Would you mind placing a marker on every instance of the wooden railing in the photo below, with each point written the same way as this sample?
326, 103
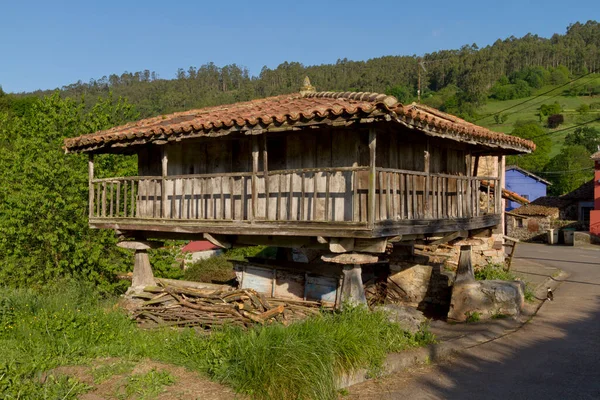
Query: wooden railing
403, 194
317, 194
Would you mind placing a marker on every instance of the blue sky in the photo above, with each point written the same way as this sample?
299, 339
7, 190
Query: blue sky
48, 44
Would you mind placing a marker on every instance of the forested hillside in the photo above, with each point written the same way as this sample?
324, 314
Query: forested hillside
466, 74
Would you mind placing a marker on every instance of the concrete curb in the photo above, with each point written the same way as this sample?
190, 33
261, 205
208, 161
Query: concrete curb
397, 362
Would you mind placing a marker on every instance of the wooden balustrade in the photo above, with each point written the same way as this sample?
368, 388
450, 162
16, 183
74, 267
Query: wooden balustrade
309, 194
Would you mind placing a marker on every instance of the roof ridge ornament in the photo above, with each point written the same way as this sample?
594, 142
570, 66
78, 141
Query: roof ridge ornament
307, 87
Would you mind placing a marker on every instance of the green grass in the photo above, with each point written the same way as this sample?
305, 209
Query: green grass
529, 111
472, 316
146, 386
494, 271
70, 324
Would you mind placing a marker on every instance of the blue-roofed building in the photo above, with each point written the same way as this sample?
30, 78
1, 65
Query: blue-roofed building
524, 183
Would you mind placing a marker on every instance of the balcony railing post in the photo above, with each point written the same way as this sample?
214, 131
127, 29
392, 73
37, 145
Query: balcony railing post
163, 183
254, 173
91, 184
372, 176
427, 203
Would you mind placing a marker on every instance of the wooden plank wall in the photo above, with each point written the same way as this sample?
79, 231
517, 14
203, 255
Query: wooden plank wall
229, 197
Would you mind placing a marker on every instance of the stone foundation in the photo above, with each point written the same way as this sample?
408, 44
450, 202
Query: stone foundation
486, 298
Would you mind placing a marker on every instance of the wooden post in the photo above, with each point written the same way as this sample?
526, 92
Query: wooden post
91, 184
163, 183
464, 272
500, 186
427, 203
469, 186
372, 176
266, 174
254, 173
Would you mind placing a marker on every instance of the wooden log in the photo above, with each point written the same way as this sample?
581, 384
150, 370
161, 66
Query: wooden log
272, 312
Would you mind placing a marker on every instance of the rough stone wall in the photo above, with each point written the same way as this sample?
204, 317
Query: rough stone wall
535, 228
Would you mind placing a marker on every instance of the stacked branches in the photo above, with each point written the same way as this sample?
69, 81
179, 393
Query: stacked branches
169, 305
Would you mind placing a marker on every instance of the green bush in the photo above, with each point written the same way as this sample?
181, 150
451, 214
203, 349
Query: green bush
494, 272
213, 270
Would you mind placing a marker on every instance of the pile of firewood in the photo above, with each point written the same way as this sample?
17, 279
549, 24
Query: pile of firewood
178, 306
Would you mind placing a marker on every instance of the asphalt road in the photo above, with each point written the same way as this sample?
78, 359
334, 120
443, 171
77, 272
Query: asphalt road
555, 356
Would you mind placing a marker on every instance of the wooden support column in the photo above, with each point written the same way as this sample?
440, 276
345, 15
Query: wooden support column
266, 174
91, 184
469, 186
163, 184
427, 202
464, 272
372, 176
499, 186
255, 151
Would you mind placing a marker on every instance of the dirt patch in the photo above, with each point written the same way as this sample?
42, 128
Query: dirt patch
109, 377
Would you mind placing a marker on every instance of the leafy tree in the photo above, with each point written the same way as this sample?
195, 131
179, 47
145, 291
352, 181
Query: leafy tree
583, 109
537, 160
555, 120
500, 118
43, 192
572, 167
550, 109
586, 136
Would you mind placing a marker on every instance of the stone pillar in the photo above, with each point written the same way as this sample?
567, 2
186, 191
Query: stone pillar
353, 291
464, 272
142, 270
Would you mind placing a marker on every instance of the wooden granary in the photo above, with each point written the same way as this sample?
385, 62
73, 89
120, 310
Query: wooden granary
343, 172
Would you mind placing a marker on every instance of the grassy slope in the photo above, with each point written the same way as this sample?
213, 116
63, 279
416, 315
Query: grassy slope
528, 111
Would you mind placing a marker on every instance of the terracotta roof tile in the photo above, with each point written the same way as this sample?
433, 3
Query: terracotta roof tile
294, 109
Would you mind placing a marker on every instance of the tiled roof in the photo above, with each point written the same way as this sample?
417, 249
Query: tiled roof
584, 192
198, 245
549, 206
287, 112
533, 209
595, 156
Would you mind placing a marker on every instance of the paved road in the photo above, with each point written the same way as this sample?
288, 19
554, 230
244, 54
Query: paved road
555, 356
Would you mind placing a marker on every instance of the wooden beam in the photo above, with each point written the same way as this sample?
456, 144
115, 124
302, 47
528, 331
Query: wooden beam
450, 237
499, 185
254, 173
341, 245
90, 184
266, 174
350, 258
372, 176
217, 240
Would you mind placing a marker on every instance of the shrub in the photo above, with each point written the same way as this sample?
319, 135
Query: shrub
555, 120
472, 316
213, 270
494, 272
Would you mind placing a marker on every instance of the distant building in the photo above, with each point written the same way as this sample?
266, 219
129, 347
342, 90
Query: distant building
531, 222
595, 213
199, 250
526, 184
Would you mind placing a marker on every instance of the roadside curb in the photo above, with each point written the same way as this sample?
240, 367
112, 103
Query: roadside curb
433, 353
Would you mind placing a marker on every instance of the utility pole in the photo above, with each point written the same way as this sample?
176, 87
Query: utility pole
422, 65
